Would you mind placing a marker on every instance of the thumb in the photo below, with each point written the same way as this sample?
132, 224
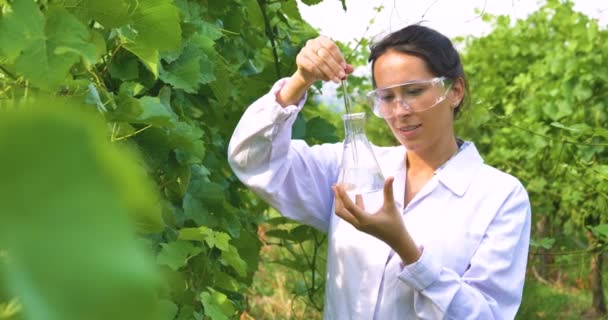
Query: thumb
389, 198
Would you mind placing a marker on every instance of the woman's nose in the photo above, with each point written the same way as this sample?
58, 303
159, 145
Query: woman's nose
401, 108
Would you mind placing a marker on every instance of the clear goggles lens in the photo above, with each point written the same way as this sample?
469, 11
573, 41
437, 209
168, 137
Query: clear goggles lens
415, 96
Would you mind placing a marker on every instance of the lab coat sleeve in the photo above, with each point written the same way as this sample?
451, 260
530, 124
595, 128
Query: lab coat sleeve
492, 286
291, 176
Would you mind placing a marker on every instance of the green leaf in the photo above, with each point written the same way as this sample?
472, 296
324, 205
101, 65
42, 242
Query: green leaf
232, 258
302, 233
216, 305
155, 113
220, 241
185, 72
214, 239
321, 130
298, 130
207, 69
226, 282
109, 13
187, 137
254, 14
65, 41
291, 10
204, 200
148, 56
146, 110
209, 30
176, 254
222, 86
21, 27
600, 231
79, 220
157, 25
561, 126
168, 310
311, 2
124, 67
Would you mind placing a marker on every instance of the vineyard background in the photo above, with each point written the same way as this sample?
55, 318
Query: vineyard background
115, 194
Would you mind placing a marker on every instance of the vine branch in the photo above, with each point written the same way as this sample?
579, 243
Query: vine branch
270, 34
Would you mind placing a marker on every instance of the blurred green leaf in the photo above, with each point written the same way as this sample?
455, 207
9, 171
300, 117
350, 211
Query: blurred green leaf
79, 228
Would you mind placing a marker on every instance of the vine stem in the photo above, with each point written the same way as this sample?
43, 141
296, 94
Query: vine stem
131, 134
105, 68
277, 67
7, 73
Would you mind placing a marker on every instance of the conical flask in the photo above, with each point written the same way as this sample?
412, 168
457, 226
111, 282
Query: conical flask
360, 170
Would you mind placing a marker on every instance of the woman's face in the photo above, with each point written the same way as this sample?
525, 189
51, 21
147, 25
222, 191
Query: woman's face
417, 131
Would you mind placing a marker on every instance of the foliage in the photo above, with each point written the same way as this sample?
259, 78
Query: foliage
171, 79
540, 113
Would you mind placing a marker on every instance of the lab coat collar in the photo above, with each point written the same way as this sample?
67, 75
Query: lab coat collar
459, 171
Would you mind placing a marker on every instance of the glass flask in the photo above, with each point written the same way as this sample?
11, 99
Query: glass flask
360, 170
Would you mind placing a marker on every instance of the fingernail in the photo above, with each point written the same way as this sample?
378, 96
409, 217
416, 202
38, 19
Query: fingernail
336, 80
341, 74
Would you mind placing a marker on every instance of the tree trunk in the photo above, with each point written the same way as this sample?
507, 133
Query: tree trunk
595, 278
546, 261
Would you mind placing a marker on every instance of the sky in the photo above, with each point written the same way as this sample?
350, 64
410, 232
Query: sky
452, 18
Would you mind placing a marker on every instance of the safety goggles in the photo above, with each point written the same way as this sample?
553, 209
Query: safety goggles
414, 96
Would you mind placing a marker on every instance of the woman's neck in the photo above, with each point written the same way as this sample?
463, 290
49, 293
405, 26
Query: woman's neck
429, 159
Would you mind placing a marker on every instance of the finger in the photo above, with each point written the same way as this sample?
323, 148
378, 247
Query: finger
329, 53
349, 205
349, 69
341, 210
334, 51
319, 57
359, 201
308, 65
389, 198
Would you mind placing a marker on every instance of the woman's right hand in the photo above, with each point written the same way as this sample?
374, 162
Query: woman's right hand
320, 59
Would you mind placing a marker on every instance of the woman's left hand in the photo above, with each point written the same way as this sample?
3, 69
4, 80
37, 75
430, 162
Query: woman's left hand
386, 224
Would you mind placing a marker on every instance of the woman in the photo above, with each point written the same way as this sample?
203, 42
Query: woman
448, 237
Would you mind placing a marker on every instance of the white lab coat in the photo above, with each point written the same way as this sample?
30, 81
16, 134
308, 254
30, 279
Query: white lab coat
472, 221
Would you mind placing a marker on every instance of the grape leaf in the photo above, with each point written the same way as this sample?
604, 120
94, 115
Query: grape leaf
157, 25
65, 41
185, 72
216, 305
176, 254
20, 28
109, 13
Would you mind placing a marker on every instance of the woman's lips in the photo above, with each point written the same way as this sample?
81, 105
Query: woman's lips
408, 131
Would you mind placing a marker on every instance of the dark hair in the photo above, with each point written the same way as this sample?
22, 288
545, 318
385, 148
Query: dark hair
434, 48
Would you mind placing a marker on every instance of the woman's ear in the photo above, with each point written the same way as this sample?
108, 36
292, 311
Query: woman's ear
457, 92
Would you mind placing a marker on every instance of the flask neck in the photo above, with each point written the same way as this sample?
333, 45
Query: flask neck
354, 124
